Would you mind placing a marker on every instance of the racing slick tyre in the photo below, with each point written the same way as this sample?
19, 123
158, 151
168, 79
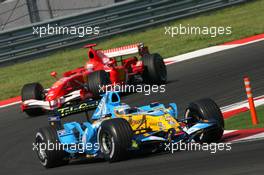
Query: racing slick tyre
115, 138
33, 91
49, 151
155, 71
96, 80
206, 109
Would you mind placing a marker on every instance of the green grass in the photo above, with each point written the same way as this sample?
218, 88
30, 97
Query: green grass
245, 20
243, 120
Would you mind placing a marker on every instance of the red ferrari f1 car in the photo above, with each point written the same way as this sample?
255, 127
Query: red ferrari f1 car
105, 67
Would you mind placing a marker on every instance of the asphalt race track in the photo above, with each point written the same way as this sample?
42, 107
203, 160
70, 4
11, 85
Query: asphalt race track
219, 76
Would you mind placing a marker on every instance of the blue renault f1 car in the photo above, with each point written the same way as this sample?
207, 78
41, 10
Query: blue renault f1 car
116, 129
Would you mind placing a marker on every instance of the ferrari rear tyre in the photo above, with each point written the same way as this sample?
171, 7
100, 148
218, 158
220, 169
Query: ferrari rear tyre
33, 91
115, 138
97, 80
155, 71
49, 151
207, 109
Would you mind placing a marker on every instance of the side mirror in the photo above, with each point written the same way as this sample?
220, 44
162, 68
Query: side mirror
54, 74
112, 62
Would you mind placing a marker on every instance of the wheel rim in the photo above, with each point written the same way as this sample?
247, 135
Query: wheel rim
107, 142
195, 117
41, 153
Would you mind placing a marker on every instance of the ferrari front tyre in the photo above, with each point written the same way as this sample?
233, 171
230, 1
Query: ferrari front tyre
96, 81
207, 110
33, 91
155, 71
49, 151
115, 138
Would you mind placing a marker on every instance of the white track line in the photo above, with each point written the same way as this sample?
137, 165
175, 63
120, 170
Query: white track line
206, 51
228, 131
253, 137
257, 100
10, 104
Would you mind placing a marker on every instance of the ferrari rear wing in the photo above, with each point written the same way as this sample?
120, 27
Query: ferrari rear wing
124, 50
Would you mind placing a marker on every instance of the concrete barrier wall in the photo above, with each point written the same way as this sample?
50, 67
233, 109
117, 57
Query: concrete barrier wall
10, 18
16, 18
66, 7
